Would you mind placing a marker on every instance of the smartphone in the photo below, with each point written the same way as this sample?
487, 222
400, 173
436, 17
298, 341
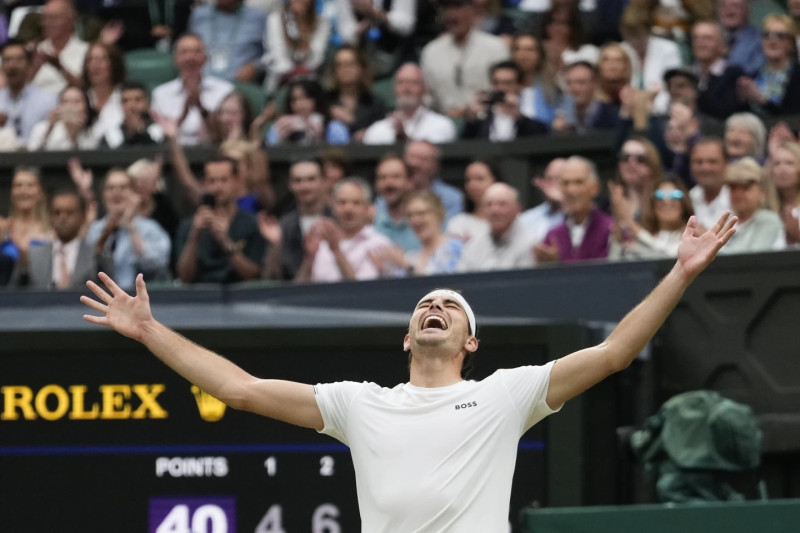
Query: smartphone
495, 97
208, 199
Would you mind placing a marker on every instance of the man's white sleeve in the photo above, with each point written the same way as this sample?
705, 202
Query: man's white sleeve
527, 387
334, 400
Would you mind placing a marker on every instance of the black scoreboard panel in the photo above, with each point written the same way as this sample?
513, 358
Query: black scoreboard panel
97, 435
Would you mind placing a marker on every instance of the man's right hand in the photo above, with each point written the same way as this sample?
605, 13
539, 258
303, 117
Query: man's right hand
202, 218
3, 119
121, 312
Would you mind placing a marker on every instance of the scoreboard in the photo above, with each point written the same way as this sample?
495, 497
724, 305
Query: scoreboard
96, 434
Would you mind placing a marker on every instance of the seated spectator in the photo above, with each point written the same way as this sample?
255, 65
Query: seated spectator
28, 224
233, 119
582, 112
539, 97
191, 97
351, 99
423, 159
784, 173
565, 32
67, 261
716, 77
58, 59
220, 243
382, 29
496, 115
614, 73
233, 35
585, 232
103, 72
305, 120
651, 56
744, 46
745, 135
759, 228
775, 88
638, 170
22, 105
393, 185
153, 201
582, 16
489, 17
710, 197
286, 236
659, 234
507, 245
335, 165
137, 25
411, 119
479, 175
682, 86
438, 253
123, 240
136, 127
69, 126
456, 64
297, 39
548, 214
341, 249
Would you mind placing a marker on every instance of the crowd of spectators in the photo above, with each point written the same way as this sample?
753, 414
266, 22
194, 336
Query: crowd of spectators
656, 75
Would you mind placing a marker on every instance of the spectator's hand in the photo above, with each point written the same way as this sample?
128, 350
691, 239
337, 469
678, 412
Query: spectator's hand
269, 228
168, 125
312, 241
544, 253
550, 189
748, 91
161, 31
219, 227
126, 218
247, 73
331, 233
387, 258
791, 222
260, 121
779, 135
3, 119
560, 122
54, 61
626, 98
477, 105
111, 32
342, 114
285, 126
81, 177
621, 206
202, 218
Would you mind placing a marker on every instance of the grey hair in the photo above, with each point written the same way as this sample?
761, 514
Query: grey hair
754, 125
593, 174
358, 181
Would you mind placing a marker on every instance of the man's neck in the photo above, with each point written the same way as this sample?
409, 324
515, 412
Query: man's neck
408, 113
60, 42
461, 40
710, 193
396, 211
433, 372
16, 88
580, 218
312, 209
349, 234
777, 64
227, 209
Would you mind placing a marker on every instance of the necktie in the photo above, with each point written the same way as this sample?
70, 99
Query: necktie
63, 269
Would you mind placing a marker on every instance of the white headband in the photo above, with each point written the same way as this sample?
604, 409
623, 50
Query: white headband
457, 297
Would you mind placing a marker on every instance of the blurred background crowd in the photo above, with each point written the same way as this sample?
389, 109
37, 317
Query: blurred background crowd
697, 95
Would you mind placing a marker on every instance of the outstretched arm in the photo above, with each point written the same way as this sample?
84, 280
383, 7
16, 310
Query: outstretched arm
574, 373
131, 316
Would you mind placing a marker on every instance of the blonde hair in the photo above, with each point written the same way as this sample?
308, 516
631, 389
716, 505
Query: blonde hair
42, 213
794, 149
748, 167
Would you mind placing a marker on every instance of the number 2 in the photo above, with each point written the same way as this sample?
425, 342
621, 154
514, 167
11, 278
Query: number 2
326, 466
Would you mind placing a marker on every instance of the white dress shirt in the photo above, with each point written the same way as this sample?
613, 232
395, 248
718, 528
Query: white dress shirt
169, 100
708, 213
48, 78
424, 125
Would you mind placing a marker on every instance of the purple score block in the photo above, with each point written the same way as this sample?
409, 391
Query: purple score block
193, 515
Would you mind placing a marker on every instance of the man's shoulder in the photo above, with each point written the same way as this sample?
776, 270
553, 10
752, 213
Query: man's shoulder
488, 42
167, 89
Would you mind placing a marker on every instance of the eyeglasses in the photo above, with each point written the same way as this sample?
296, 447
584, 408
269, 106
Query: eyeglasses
674, 194
639, 158
766, 34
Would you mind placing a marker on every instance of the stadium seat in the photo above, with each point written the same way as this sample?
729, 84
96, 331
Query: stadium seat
384, 90
150, 67
254, 94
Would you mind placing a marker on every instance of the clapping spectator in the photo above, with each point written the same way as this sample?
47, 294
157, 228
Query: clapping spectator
638, 170
28, 223
192, 97
496, 115
775, 89
659, 234
456, 64
539, 97
151, 190
393, 185
232, 120
305, 119
233, 35
103, 73
438, 254
716, 78
411, 119
69, 126
22, 105
784, 173
479, 175
759, 227
539, 220
582, 112
58, 59
136, 127
126, 243
297, 39
351, 99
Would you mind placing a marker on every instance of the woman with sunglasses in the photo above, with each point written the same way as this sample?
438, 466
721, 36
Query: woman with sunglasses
775, 90
638, 170
660, 233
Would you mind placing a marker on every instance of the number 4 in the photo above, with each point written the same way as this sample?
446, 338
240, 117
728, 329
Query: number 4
272, 522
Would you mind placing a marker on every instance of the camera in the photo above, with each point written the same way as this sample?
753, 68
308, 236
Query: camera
495, 97
209, 200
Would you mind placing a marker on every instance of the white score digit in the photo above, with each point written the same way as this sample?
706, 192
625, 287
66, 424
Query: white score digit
324, 519
206, 519
271, 464
326, 466
272, 522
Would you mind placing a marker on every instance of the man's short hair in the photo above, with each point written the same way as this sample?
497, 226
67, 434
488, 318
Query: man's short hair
134, 85
359, 182
593, 174
702, 141
306, 159
391, 156
11, 43
220, 158
69, 191
507, 65
582, 64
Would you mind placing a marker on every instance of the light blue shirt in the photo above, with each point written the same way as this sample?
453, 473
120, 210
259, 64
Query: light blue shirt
452, 198
32, 106
399, 233
232, 40
541, 219
119, 246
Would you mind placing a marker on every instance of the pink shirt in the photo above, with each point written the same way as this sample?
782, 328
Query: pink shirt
356, 250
